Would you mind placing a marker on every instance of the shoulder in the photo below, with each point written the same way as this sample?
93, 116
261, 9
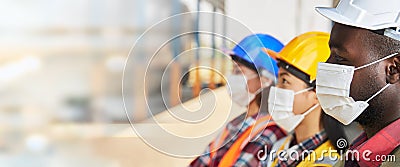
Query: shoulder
238, 120
271, 134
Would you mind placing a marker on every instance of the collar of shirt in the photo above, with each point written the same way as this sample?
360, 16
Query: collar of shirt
382, 143
250, 153
234, 129
306, 145
239, 124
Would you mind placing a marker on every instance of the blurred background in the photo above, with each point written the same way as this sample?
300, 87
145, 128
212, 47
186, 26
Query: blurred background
62, 64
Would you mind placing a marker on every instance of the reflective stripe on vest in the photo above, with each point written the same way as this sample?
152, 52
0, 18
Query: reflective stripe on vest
321, 156
325, 155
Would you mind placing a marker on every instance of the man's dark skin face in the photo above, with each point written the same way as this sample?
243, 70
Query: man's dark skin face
354, 47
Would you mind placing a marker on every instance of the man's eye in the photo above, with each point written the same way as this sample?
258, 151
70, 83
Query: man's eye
338, 58
284, 81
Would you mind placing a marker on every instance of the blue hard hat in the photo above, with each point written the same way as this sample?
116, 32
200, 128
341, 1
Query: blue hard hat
249, 52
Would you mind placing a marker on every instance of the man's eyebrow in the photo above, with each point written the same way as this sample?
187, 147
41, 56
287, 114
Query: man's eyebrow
333, 45
283, 73
337, 47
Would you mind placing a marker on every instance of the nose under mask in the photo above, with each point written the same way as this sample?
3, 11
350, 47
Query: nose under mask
238, 89
280, 107
333, 91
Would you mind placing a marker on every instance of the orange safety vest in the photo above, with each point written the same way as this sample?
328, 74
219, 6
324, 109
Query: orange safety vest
282, 147
234, 151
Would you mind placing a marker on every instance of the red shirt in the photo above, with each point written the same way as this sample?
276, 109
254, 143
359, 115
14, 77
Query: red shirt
382, 143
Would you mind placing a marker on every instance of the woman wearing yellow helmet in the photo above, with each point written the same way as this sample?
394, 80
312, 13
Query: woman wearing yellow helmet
294, 106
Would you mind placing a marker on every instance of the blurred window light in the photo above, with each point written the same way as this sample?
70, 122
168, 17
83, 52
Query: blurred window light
19, 68
36, 143
115, 63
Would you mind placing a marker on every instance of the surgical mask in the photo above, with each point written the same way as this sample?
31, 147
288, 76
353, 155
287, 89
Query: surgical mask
238, 89
280, 107
333, 91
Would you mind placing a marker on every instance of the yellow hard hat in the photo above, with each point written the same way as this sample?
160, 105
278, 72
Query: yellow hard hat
304, 52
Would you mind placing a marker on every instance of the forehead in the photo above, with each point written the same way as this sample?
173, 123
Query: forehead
345, 37
293, 79
348, 42
284, 72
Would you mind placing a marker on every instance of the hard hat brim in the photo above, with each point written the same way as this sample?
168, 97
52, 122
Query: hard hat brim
271, 53
334, 15
275, 55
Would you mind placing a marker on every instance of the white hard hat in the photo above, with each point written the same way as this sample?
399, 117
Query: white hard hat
367, 14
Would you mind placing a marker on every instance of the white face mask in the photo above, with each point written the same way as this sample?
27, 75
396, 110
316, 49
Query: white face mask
238, 89
280, 107
333, 91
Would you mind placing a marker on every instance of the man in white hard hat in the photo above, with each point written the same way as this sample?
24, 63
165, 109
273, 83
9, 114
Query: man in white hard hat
360, 81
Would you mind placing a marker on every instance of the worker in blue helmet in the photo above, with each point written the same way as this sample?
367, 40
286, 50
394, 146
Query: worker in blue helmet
253, 72
247, 52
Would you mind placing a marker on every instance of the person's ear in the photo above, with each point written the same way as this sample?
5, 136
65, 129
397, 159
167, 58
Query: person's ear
313, 96
393, 71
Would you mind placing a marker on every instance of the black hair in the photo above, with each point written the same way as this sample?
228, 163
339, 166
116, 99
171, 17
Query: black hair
244, 62
381, 45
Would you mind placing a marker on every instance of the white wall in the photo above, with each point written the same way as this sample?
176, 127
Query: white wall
282, 18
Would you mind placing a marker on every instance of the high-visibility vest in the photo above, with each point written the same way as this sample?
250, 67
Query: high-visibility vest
327, 159
320, 158
234, 151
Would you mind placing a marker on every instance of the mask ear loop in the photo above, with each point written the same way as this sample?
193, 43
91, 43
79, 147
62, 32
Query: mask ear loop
250, 78
311, 109
376, 94
376, 61
304, 90
260, 89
